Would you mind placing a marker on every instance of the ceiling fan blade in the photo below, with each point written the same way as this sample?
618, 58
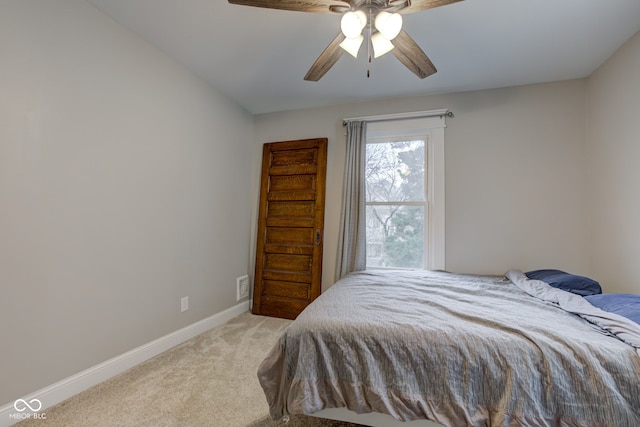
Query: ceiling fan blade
418, 5
410, 54
326, 60
315, 6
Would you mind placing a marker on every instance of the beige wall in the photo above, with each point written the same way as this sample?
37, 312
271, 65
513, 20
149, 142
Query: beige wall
614, 169
515, 173
115, 172
121, 190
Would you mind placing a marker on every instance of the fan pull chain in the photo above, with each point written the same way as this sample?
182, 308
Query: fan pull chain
369, 43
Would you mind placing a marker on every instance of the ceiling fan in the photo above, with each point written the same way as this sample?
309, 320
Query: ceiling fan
381, 20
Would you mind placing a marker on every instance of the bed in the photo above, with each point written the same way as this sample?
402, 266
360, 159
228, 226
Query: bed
458, 350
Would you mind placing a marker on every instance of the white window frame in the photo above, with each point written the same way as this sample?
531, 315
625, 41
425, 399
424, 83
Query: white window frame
431, 130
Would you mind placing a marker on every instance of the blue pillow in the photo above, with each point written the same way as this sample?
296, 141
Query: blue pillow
627, 305
567, 282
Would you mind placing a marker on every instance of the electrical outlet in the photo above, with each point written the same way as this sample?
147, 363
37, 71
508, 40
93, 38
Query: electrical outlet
184, 304
242, 287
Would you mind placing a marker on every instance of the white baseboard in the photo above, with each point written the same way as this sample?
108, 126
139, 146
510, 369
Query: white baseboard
68, 387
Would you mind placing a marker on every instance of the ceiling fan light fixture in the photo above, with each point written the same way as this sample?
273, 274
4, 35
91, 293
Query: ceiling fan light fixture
363, 18
352, 46
352, 24
381, 45
358, 15
389, 24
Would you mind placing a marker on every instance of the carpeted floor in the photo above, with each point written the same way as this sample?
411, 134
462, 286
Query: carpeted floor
209, 380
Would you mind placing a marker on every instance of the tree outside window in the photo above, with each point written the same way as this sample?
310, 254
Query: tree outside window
396, 204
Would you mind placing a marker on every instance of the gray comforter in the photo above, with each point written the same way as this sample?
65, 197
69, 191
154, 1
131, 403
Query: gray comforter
455, 349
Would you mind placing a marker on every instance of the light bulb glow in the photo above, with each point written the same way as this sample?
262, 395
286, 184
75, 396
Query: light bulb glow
381, 18
389, 24
381, 45
352, 24
352, 45
363, 18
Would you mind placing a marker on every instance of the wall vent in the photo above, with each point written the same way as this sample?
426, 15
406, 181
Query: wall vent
242, 287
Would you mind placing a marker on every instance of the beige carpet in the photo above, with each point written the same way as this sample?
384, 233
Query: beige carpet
209, 380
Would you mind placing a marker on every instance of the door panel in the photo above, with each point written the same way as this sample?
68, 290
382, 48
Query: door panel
287, 263
289, 236
284, 307
286, 289
300, 209
298, 241
295, 158
293, 182
290, 227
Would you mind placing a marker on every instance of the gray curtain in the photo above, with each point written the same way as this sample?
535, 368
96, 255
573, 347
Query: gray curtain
352, 239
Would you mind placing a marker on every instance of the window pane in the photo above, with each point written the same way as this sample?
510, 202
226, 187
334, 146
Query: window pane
395, 236
395, 171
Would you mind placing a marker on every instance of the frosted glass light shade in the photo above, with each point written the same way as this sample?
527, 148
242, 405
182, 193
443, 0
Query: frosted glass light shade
381, 18
381, 45
352, 45
389, 24
363, 18
352, 24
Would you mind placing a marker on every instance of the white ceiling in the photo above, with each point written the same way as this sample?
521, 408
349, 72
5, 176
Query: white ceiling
259, 56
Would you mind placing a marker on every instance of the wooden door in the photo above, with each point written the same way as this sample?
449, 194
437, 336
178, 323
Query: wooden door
290, 227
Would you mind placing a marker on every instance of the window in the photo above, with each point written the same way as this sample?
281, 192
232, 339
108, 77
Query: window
405, 194
396, 203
